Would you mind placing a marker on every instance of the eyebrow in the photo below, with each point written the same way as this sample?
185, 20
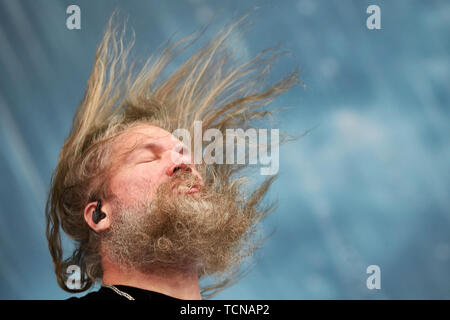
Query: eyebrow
148, 145
143, 146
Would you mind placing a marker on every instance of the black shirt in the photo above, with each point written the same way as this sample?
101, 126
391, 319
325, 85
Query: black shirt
106, 293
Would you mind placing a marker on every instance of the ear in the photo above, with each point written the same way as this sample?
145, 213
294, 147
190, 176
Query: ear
104, 223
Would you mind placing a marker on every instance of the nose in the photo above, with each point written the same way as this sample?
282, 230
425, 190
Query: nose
181, 160
184, 167
176, 167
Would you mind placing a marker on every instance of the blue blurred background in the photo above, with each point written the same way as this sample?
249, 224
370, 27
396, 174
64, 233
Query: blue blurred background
369, 185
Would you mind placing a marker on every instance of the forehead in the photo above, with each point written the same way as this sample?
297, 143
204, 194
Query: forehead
137, 136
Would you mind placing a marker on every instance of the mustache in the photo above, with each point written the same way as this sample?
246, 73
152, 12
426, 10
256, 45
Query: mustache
184, 182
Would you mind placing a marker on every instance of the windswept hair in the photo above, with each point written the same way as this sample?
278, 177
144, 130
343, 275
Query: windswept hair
211, 86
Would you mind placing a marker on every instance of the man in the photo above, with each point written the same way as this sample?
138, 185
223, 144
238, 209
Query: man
148, 222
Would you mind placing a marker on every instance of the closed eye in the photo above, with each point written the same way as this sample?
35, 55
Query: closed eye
148, 156
146, 160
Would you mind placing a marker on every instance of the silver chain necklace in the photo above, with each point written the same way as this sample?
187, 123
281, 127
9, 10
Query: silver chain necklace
119, 292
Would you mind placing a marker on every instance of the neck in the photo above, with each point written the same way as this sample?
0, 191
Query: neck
178, 284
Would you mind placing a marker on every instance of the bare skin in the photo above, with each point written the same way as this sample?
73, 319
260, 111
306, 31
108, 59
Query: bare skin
145, 169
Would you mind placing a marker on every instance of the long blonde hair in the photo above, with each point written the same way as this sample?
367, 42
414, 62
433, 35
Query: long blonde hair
209, 86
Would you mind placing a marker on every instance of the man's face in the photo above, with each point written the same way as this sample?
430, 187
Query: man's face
157, 157
163, 216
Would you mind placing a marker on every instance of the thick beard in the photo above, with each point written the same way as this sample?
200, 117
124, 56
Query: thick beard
210, 232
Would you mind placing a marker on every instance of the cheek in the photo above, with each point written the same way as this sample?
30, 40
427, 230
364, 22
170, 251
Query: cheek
128, 182
147, 177
148, 174
133, 184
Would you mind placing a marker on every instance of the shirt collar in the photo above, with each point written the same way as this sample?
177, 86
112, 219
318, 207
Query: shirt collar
142, 294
